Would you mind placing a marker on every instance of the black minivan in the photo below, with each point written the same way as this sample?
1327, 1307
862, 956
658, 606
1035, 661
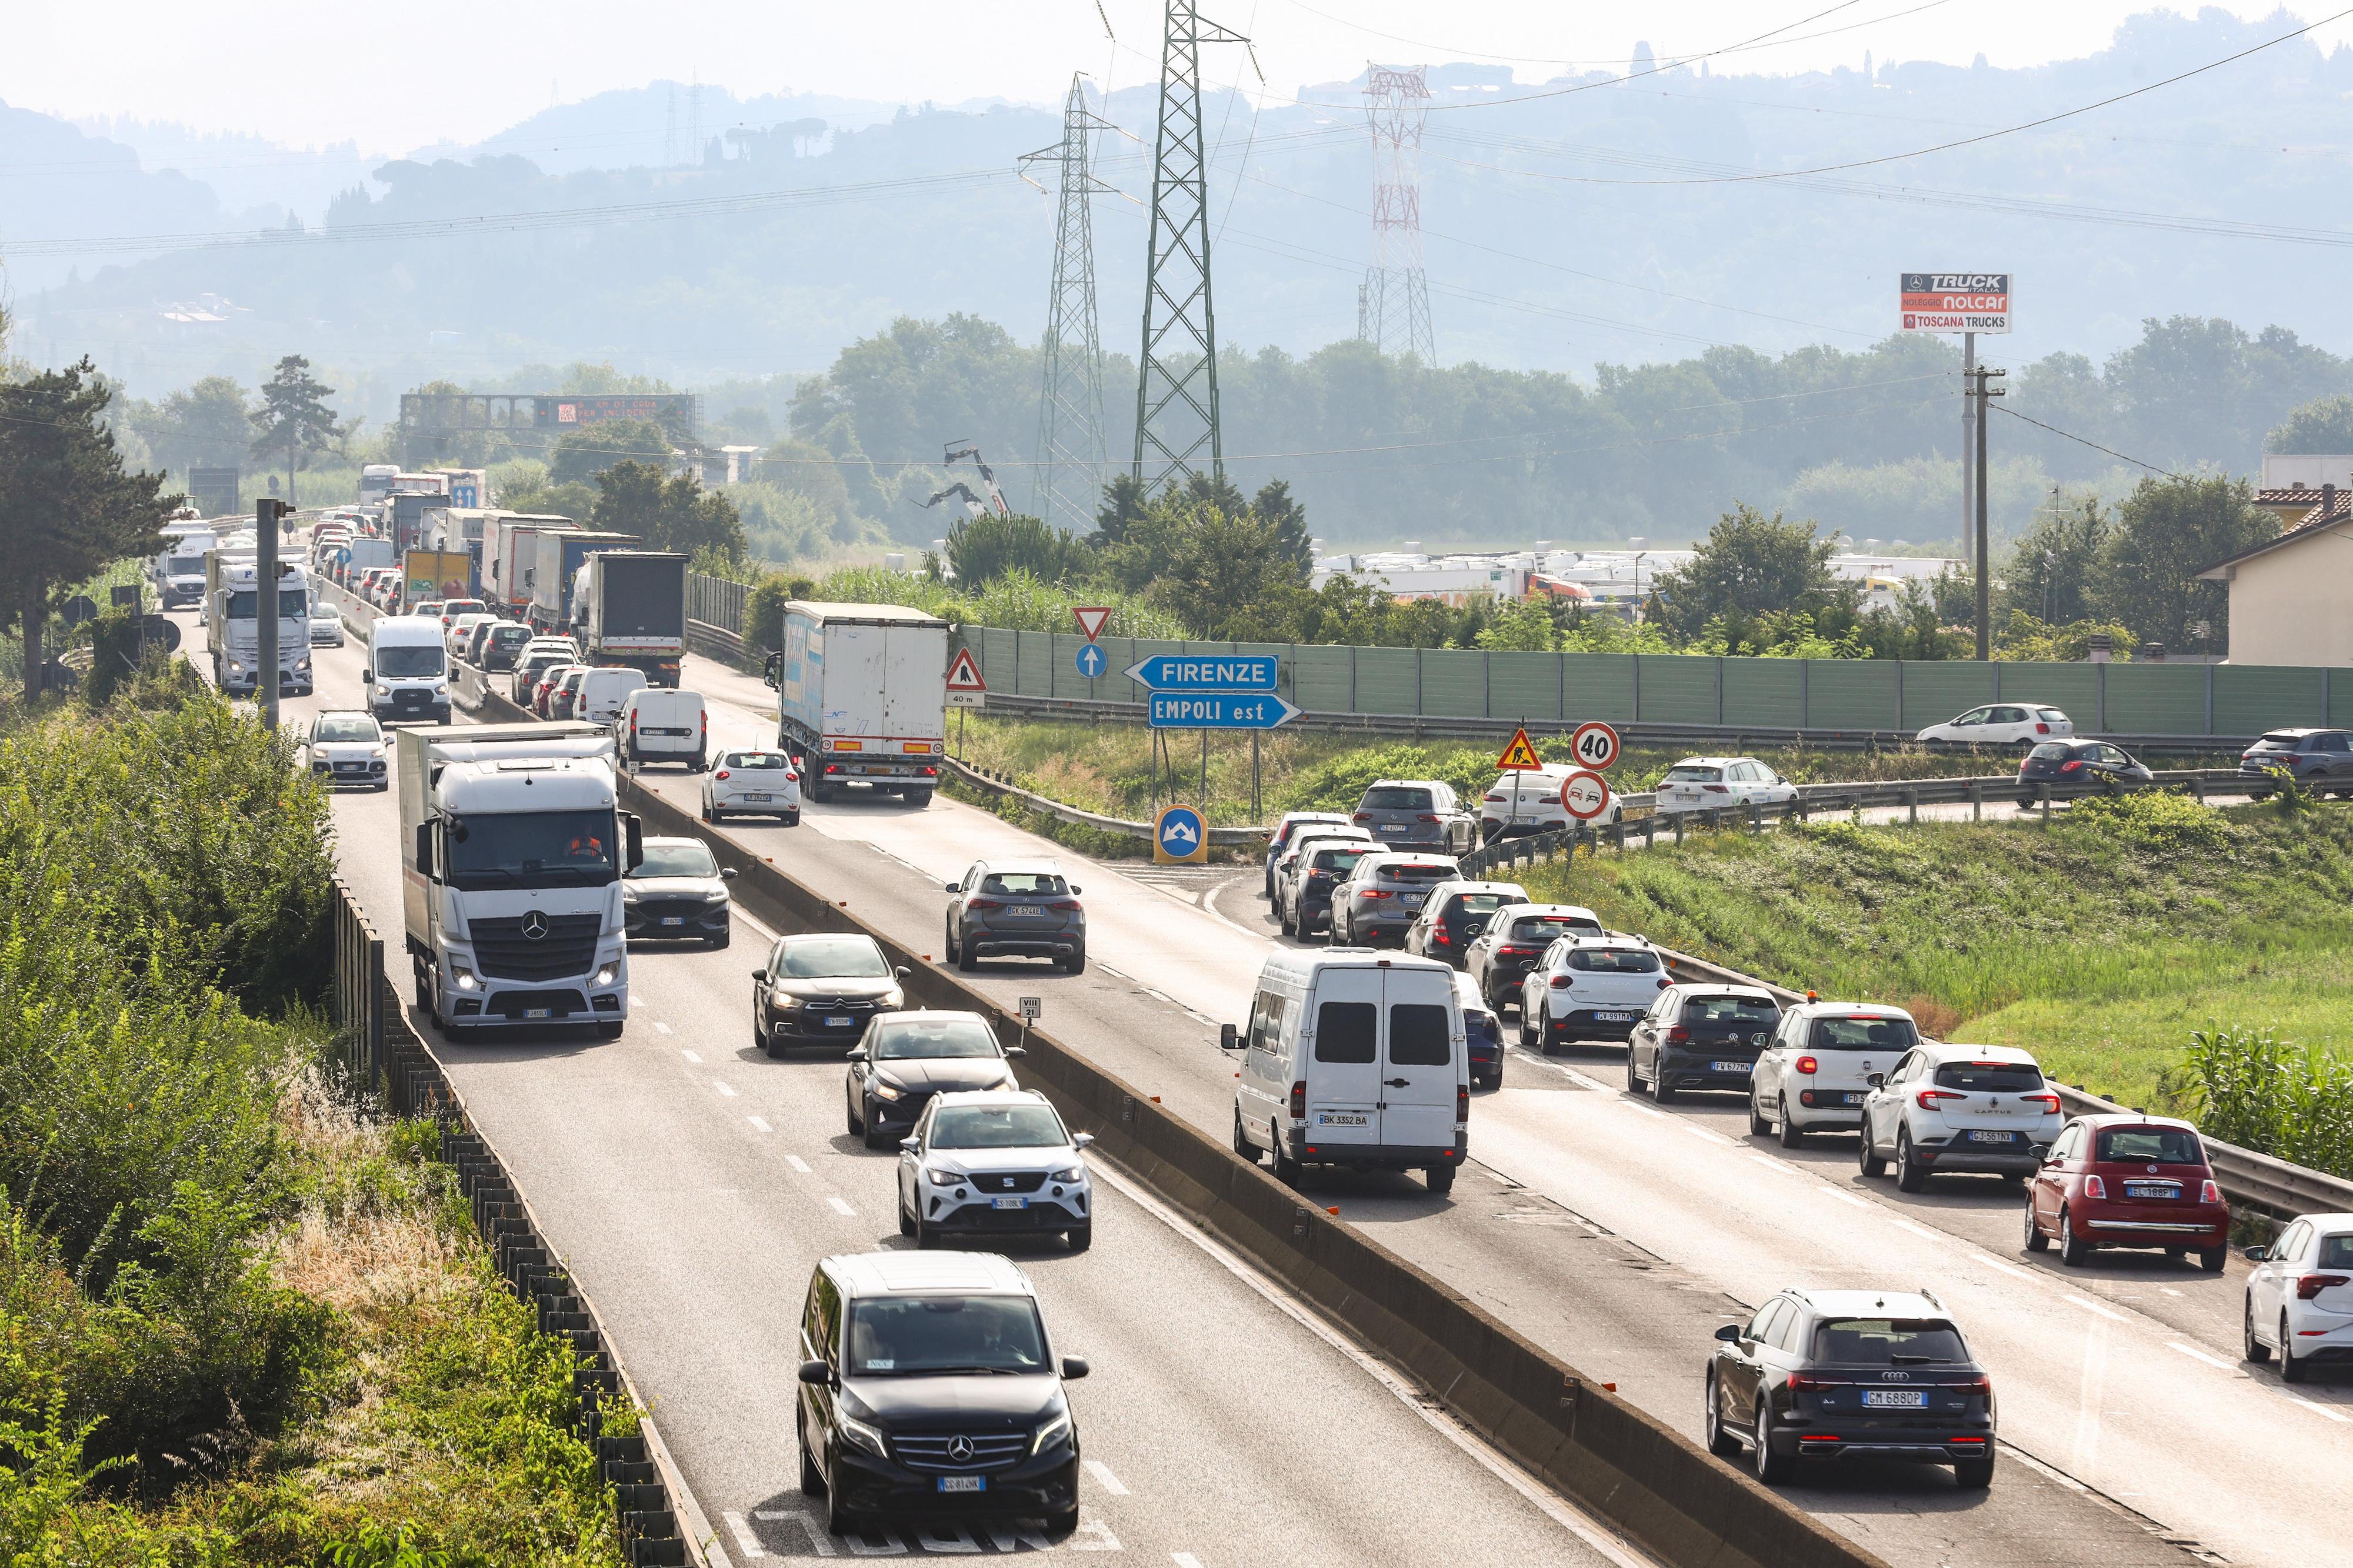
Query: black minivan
929, 1386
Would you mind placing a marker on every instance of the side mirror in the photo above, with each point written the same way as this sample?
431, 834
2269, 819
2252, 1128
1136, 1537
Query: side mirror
1076, 889
1017, 1051
1730, 1334
902, 973
911, 1146
760, 974
816, 1373
1082, 1140
1073, 1368
726, 873
425, 849
1229, 1038
2258, 1253
857, 1053
955, 886
635, 827
1876, 1079
366, 674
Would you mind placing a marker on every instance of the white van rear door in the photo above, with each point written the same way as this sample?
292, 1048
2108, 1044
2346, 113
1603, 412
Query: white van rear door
1420, 1048
1344, 1059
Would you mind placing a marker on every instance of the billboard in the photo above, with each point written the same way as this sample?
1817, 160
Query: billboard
1955, 302
213, 491
565, 411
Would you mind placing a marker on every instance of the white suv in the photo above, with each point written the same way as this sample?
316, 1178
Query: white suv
1958, 1108
1817, 1073
2300, 1296
1589, 988
993, 1161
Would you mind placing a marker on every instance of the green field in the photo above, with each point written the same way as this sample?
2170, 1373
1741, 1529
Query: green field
2098, 942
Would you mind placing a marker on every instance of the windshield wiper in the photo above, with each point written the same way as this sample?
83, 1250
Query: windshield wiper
962, 1371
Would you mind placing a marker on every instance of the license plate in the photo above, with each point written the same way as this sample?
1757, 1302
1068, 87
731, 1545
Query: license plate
673, 920
1009, 1202
1341, 1118
837, 1022
1613, 1018
1729, 1067
1896, 1398
2147, 1190
1850, 1099
1025, 911
1979, 1136
536, 1012
1411, 901
963, 1483
760, 798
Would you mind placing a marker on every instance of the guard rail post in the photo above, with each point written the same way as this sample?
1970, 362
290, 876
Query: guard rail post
2198, 788
1618, 835
1678, 826
1977, 801
2043, 791
1912, 802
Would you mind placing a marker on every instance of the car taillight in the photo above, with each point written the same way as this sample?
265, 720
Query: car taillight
1299, 1100
1425, 816
1559, 983
2042, 729
2049, 1103
721, 773
1978, 1384
1664, 983
1807, 1067
1437, 934
1802, 1382
2071, 766
1372, 893
2095, 1188
1498, 794
833, 767
1679, 1034
2312, 1285
1717, 789
1515, 953
982, 904
931, 772
1319, 875
2208, 1192
1927, 1098
1364, 817
790, 776
1062, 904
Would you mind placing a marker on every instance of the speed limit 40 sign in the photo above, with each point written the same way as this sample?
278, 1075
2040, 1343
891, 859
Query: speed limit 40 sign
1584, 794
1594, 745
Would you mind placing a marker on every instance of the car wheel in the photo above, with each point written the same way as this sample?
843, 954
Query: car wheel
1910, 1175
1771, 1469
947, 941
1659, 1090
1974, 1474
792, 819
1872, 1165
2035, 1240
812, 1479
720, 940
1440, 1179
1792, 1137
839, 1521
2257, 1351
1078, 961
612, 1029
1720, 1443
923, 1234
966, 960
1282, 918
1244, 1149
1286, 1169
2291, 1369
1758, 1125
906, 1220
2073, 1250
850, 1114
1081, 1236
2211, 1258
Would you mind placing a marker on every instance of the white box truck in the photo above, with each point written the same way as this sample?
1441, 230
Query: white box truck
862, 699
629, 607
513, 846
178, 569
511, 555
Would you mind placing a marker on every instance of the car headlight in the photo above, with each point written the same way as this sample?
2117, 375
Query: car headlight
1074, 1174
235, 668
1053, 1432
608, 973
461, 976
382, 689
715, 895
885, 1091
944, 1178
628, 894
892, 1001
304, 662
858, 1434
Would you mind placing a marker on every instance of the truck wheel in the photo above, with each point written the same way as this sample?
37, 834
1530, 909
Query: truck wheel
919, 798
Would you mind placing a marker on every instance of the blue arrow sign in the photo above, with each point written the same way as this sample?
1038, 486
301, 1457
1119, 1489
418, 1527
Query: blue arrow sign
1181, 834
1091, 659
1219, 710
1205, 672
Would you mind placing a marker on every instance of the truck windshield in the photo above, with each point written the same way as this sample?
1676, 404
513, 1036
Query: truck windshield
412, 662
535, 850
185, 565
292, 605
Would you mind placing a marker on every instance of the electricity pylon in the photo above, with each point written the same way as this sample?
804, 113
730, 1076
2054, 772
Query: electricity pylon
1393, 306
1177, 373
1069, 458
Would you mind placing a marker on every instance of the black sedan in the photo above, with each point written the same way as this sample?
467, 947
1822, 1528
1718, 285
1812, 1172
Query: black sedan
679, 891
821, 990
1700, 1037
907, 1057
2079, 762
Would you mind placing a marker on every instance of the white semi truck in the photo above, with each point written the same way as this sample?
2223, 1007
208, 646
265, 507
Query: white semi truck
232, 607
513, 846
177, 570
862, 699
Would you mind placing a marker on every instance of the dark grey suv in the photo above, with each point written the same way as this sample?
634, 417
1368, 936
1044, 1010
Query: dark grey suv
2320, 760
1418, 813
1023, 909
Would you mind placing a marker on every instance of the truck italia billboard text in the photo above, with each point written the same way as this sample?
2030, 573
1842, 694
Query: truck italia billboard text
1955, 302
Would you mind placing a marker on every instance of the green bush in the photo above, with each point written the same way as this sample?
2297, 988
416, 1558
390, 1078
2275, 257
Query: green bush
2158, 821
2261, 1092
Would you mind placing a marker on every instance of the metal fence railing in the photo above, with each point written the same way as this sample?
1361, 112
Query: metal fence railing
358, 991
716, 601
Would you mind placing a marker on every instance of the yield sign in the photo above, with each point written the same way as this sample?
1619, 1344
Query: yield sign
963, 673
1091, 618
1519, 753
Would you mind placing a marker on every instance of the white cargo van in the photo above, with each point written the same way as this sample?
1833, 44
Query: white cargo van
407, 672
1357, 1059
603, 692
661, 726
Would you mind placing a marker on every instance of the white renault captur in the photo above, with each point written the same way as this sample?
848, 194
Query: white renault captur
1817, 1073
1949, 1107
1589, 988
994, 1162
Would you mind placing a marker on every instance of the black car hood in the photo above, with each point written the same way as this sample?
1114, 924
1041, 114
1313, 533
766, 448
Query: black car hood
847, 989
939, 1075
675, 886
986, 1400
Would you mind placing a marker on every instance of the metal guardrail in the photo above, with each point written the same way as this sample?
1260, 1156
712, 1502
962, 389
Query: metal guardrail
1004, 788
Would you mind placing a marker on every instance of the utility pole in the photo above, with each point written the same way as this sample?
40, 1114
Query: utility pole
266, 513
1393, 304
1978, 391
1177, 373
1969, 437
1069, 457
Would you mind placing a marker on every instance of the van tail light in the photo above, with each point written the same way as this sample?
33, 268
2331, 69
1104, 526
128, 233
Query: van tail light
1461, 1103
721, 773
2095, 1188
2208, 1192
2073, 765
1559, 983
1807, 1067
2042, 729
2049, 1103
2312, 1285
1299, 1100
1927, 1098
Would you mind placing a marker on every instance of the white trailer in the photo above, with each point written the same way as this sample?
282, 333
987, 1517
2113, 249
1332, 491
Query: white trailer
862, 699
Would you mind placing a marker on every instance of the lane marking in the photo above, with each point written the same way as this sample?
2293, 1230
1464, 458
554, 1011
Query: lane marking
1696, 1131
2169, 1291
1772, 1164
1646, 1110
1982, 1261
662, 1029
797, 1164
722, 1086
819, 1542
1846, 1197
2194, 1354
745, 1540
2309, 1404
2091, 1306
1918, 1229
1185, 1560
1102, 1473
1553, 1506
761, 1126
690, 1055
839, 1206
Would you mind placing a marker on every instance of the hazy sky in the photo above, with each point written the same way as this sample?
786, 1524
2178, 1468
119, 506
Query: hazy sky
445, 70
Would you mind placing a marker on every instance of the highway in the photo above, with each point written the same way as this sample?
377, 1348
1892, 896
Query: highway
1615, 1234
690, 1184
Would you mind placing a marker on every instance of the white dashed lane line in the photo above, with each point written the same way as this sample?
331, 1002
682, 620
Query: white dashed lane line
1103, 1477
2194, 1354
760, 1126
2091, 1306
690, 1055
723, 1088
797, 1164
841, 1206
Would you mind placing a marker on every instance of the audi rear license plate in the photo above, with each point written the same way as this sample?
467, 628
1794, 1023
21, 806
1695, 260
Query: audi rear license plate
1025, 911
1729, 1067
963, 1483
1613, 1018
1009, 1202
1896, 1398
1980, 1135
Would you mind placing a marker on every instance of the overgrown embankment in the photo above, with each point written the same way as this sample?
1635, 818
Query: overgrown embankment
243, 1319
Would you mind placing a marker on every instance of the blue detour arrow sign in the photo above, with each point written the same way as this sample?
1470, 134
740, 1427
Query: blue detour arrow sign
1219, 710
1091, 660
1179, 837
1205, 672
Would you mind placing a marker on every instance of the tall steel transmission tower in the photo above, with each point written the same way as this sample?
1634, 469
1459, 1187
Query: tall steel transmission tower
1177, 373
1393, 304
1069, 465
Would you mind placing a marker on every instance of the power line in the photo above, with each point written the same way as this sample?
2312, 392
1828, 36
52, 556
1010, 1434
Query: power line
2111, 451
1767, 40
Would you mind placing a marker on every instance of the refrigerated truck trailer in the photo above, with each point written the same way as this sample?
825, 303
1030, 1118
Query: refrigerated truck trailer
629, 607
511, 558
862, 699
555, 569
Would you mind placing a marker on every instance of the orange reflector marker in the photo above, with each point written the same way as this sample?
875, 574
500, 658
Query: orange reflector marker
1333, 1209
1156, 1099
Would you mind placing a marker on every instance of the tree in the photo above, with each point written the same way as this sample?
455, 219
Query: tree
582, 453
1751, 565
293, 417
66, 507
1220, 565
2054, 564
2325, 425
2166, 531
667, 513
989, 546
205, 423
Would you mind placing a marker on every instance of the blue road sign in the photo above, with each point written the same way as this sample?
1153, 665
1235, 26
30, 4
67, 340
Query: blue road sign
1219, 710
1091, 659
1205, 672
1179, 835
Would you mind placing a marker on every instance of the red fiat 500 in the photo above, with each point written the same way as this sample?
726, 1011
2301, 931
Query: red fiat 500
2123, 1180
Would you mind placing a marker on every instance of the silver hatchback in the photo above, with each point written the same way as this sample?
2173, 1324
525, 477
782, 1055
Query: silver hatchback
1024, 909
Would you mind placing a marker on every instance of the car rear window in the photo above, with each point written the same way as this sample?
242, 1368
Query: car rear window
2052, 751
1861, 1033
1693, 775
1395, 799
1292, 830
1991, 1078
2149, 1145
1024, 884
2052, 715
1345, 1030
1338, 859
1420, 873
1730, 1010
1478, 903
2336, 1252
1550, 928
1889, 1341
1418, 1036
1614, 960
755, 760
2277, 743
